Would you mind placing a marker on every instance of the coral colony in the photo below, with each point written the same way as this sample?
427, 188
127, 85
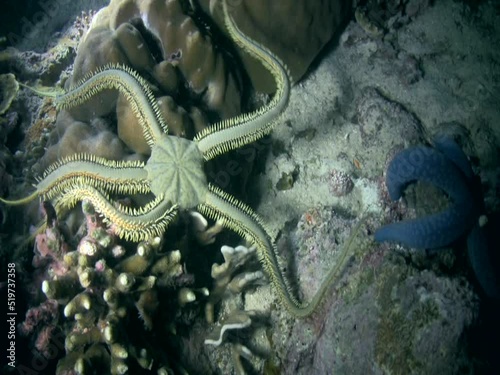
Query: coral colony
114, 282
100, 284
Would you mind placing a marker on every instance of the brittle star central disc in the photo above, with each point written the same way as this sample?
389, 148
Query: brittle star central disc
175, 169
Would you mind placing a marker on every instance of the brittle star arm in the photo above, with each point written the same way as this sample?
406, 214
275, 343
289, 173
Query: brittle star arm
247, 128
130, 223
135, 89
120, 177
240, 218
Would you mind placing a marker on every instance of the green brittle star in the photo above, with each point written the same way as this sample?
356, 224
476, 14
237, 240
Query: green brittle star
174, 172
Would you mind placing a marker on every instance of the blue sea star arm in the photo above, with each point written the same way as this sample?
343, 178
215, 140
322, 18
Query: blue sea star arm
432, 166
425, 164
480, 247
453, 152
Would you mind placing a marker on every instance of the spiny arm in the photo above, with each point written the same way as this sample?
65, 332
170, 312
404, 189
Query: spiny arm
238, 217
49, 92
132, 224
249, 127
85, 169
122, 78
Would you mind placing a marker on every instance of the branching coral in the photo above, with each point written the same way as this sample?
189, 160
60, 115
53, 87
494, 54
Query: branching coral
174, 173
172, 179
236, 325
102, 287
224, 275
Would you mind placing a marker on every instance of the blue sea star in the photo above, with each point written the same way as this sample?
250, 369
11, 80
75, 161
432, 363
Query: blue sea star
448, 168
